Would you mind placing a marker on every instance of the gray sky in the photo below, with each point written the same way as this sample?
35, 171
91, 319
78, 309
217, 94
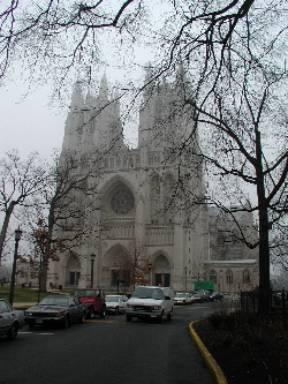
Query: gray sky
28, 122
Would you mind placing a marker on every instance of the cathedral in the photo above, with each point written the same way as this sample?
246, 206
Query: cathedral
141, 212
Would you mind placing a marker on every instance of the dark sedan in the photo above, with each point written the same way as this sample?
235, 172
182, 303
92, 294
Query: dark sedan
57, 309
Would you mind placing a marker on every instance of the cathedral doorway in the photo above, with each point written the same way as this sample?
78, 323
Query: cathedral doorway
117, 269
73, 271
161, 271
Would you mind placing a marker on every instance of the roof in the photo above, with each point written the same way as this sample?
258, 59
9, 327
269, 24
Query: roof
238, 261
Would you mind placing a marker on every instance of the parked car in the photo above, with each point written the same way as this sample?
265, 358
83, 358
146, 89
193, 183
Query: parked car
116, 303
196, 297
182, 298
61, 309
150, 302
216, 296
10, 321
93, 300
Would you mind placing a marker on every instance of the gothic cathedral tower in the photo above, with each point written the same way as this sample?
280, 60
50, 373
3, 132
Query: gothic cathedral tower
129, 214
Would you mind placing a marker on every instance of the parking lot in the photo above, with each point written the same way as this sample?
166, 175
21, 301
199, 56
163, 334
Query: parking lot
107, 350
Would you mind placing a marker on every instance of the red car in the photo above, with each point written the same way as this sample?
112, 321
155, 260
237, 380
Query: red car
94, 301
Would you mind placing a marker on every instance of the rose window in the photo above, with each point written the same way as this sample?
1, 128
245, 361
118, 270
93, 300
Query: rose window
122, 201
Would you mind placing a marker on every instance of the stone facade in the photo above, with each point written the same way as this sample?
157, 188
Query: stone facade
139, 222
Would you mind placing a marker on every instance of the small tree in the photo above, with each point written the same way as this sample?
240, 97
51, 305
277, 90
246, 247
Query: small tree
57, 213
20, 181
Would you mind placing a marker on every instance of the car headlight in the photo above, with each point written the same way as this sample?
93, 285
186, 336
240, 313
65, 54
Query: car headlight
60, 314
156, 307
27, 313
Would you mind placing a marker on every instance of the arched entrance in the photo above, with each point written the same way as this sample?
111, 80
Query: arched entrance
161, 271
73, 270
116, 269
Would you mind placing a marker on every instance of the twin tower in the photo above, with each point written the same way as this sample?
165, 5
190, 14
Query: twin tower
138, 218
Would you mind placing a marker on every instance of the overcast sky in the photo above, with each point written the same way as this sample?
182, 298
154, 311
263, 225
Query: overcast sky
28, 122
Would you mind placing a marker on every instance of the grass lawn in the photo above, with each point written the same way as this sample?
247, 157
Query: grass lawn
22, 295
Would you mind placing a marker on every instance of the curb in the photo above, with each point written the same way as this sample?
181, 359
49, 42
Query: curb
208, 358
22, 306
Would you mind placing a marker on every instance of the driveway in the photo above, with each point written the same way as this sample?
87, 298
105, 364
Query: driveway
108, 351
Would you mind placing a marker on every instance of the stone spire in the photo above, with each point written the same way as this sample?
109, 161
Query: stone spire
90, 99
103, 89
180, 80
77, 98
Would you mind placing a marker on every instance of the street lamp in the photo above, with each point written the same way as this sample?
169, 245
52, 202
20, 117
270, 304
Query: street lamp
185, 276
18, 234
150, 272
92, 257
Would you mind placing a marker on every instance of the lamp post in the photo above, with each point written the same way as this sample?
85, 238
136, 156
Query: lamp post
150, 272
185, 276
92, 258
18, 234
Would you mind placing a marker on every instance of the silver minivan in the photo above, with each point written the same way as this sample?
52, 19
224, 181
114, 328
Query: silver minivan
150, 302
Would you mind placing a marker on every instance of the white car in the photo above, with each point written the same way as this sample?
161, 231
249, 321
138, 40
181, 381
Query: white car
182, 298
10, 320
116, 303
150, 302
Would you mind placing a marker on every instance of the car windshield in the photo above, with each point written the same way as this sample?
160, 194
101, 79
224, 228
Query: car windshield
112, 298
86, 292
181, 294
148, 293
55, 300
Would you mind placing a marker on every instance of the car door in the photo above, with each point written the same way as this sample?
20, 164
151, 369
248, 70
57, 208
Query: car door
6, 318
124, 302
75, 309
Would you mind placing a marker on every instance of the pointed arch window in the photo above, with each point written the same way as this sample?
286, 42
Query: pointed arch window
229, 277
246, 276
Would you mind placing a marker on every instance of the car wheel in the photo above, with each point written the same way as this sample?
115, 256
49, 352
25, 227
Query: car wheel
103, 314
82, 318
169, 316
13, 331
160, 318
128, 318
66, 322
117, 311
88, 314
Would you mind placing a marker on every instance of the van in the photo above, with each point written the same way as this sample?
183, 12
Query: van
150, 302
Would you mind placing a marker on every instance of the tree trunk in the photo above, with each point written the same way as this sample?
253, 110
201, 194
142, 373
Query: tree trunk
45, 262
4, 228
43, 275
264, 253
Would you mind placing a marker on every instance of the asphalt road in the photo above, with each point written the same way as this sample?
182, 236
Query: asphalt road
108, 351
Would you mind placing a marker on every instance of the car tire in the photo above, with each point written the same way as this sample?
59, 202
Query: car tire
66, 322
160, 318
13, 331
169, 316
103, 314
117, 311
128, 318
82, 318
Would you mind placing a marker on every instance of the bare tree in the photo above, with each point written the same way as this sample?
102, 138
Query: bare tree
235, 54
64, 35
57, 224
20, 181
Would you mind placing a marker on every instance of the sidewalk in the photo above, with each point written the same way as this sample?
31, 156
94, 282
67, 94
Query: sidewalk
23, 306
